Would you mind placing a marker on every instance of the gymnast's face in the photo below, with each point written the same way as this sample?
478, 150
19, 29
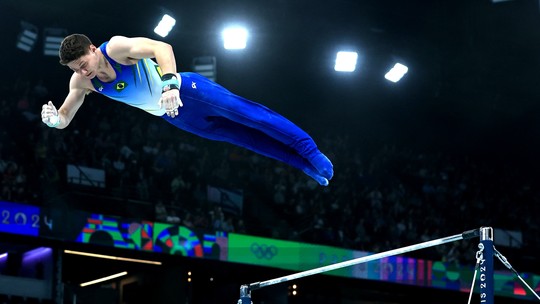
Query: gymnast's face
86, 65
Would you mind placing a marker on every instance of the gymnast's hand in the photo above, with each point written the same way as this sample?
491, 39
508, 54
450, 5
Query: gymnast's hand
49, 115
170, 100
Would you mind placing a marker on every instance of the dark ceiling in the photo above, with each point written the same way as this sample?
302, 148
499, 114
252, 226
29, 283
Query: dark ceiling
473, 64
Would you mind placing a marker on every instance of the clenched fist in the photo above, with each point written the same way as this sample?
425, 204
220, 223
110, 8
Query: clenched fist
49, 115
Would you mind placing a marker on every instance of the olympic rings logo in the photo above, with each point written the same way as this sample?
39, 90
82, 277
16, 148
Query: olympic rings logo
263, 251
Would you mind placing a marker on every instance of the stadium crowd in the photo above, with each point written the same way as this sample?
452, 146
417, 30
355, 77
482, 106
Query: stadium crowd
383, 196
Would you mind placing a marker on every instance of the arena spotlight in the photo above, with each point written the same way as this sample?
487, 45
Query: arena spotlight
346, 61
206, 66
52, 39
396, 72
26, 40
234, 38
165, 26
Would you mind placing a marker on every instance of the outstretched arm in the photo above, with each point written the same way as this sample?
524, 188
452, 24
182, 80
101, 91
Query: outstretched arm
62, 117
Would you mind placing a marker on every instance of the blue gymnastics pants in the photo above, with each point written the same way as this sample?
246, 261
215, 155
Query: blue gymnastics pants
211, 111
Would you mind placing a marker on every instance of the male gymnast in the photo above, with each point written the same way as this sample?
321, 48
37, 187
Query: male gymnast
123, 70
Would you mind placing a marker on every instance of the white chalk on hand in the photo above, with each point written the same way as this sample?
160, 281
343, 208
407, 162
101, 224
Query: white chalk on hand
53, 120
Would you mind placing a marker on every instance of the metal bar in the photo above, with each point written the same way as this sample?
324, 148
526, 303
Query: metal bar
457, 237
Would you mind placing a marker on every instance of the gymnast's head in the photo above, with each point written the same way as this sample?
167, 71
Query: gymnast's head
74, 47
79, 54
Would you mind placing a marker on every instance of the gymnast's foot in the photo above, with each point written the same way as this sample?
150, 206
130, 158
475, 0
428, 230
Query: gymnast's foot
323, 165
316, 176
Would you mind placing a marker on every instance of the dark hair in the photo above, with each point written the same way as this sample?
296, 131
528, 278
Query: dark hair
73, 47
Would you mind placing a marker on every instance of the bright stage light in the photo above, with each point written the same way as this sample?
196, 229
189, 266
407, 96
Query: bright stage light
397, 72
346, 61
165, 25
235, 38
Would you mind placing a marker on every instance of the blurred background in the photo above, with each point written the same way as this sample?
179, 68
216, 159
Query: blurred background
452, 145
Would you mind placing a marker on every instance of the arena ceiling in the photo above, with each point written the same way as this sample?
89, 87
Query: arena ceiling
472, 64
